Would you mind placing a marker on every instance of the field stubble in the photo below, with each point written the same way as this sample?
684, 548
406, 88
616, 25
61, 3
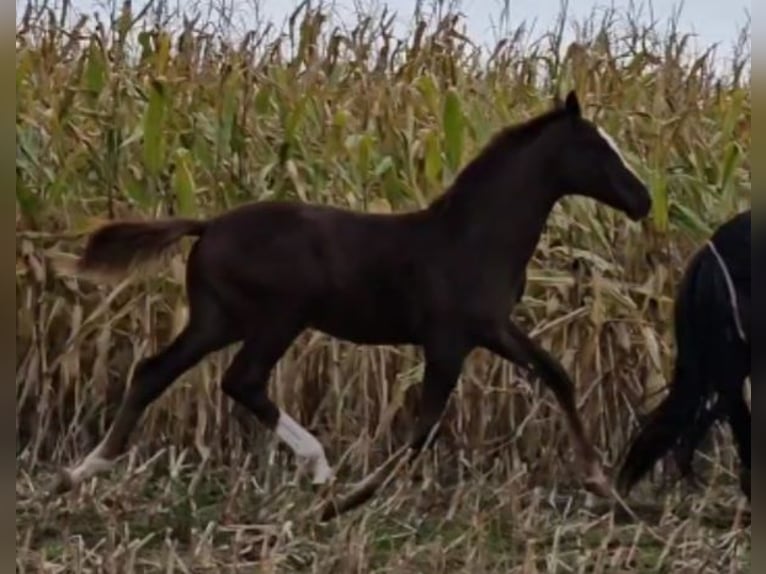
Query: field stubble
145, 120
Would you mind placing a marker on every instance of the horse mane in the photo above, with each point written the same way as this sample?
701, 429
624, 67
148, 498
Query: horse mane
495, 152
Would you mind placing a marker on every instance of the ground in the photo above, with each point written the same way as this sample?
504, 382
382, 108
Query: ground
173, 514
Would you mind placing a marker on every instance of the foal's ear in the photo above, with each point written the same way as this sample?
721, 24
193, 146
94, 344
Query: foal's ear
572, 104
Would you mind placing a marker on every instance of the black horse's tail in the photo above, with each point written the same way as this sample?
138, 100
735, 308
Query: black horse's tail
684, 406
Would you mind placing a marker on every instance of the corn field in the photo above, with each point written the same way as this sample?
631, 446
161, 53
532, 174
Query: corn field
150, 117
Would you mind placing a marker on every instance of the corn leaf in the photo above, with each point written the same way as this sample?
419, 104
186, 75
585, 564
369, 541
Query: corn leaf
183, 184
453, 125
154, 124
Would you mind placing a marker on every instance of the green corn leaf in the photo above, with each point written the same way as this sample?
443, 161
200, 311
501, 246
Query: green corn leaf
145, 41
135, 136
393, 187
29, 203
730, 164
226, 124
262, 101
660, 206
183, 183
65, 104
294, 119
688, 220
136, 190
383, 166
453, 124
427, 86
433, 158
95, 71
23, 73
230, 88
364, 153
162, 55
154, 123
337, 132
238, 138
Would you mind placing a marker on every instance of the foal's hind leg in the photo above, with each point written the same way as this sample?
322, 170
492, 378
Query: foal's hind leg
512, 344
204, 334
246, 381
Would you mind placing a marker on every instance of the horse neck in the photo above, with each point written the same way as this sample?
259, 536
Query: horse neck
498, 220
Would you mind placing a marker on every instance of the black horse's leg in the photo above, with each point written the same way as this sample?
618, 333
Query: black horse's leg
246, 382
683, 453
443, 366
509, 342
740, 420
728, 366
444, 360
204, 334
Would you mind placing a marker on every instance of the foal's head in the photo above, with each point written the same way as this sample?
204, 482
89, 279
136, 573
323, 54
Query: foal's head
587, 162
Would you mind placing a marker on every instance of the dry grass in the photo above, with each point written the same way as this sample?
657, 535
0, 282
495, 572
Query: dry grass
114, 123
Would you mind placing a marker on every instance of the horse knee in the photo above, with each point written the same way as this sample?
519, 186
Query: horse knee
234, 389
146, 385
237, 389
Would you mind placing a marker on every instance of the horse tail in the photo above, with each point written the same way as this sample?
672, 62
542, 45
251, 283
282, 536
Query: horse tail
684, 405
116, 248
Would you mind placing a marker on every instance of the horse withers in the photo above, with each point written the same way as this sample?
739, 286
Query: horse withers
712, 334
444, 278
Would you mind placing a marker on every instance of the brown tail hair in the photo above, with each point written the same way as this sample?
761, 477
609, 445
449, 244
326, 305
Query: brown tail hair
117, 248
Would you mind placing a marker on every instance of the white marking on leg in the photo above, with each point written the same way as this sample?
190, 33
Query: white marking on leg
91, 465
612, 144
304, 445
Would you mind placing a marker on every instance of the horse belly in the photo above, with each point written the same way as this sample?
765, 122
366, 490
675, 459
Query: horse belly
364, 322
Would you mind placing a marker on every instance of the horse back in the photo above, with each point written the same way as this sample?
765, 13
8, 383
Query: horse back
363, 277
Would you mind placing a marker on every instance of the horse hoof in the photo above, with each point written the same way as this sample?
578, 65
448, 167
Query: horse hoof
599, 486
64, 482
328, 512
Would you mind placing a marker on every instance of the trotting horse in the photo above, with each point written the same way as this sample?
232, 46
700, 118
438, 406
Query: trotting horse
444, 278
712, 333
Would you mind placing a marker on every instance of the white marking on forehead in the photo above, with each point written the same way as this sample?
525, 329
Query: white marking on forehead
612, 144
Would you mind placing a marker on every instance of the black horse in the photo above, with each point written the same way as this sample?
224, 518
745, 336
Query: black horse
444, 278
712, 332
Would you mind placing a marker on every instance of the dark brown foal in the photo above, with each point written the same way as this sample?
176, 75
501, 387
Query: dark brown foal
445, 278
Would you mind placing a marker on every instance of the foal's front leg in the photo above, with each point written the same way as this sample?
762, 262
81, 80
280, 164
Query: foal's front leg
444, 360
512, 344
